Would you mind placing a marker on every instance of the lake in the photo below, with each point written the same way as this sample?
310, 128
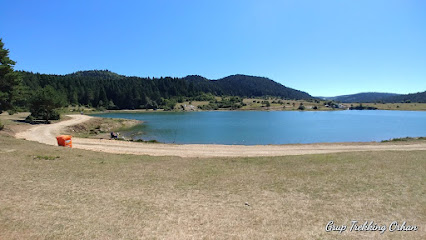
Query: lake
275, 127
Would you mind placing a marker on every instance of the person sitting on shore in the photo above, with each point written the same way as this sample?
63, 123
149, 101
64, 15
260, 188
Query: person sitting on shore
114, 135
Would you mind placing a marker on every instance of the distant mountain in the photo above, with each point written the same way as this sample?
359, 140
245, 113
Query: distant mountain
419, 97
369, 97
248, 86
258, 86
324, 98
361, 97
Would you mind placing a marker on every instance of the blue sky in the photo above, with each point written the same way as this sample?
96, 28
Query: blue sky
323, 47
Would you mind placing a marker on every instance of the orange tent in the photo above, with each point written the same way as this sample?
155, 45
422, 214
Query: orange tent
64, 140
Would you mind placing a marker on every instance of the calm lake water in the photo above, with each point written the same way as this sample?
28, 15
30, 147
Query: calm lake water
260, 127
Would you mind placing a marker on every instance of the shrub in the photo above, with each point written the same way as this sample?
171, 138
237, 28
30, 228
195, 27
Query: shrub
46, 115
169, 104
29, 119
11, 111
268, 104
1, 126
210, 106
360, 107
44, 103
301, 107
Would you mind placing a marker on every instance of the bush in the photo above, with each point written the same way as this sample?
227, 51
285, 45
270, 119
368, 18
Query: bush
210, 106
44, 103
11, 111
301, 107
360, 107
1, 126
29, 119
169, 104
46, 115
267, 103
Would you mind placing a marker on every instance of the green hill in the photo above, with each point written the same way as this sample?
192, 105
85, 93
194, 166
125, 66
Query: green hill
242, 85
366, 97
419, 97
246, 86
371, 97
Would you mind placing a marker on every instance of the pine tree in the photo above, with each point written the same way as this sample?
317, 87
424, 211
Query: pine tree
44, 103
9, 80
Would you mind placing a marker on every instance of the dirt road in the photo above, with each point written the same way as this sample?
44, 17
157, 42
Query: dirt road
46, 134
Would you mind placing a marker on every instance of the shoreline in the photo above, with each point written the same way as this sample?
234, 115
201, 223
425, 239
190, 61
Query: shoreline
46, 134
238, 110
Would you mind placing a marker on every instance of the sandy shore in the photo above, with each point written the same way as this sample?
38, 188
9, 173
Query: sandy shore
46, 134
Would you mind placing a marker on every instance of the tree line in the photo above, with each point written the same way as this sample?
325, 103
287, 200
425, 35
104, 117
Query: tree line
105, 89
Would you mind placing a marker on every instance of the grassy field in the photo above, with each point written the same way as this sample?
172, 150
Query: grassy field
52, 192
282, 105
396, 106
290, 105
257, 105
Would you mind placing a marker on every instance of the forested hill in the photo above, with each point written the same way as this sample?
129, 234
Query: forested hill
362, 97
248, 86
371, 97
102, 88
413, 97
242, 85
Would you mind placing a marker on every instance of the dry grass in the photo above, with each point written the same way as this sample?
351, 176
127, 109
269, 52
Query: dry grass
11, 119
13, 123
58, 193
256, 104
396, 106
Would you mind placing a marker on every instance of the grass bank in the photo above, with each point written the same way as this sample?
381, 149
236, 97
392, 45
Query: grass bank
393, 106
52, 192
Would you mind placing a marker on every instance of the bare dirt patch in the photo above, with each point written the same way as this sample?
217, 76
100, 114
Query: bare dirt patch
14, 123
